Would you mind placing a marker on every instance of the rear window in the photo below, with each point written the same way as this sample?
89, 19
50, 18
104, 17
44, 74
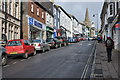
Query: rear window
58, 37
36, 41
49, 40
14, 43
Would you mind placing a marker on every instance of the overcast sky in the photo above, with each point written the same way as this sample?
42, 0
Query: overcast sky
78, 8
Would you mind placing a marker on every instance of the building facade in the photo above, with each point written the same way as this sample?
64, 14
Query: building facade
110, 18
65, 22
10, 18
56, 13
33, 20
49, 18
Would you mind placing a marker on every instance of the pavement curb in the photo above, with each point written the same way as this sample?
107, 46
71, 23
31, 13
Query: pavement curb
93, 65
87, 66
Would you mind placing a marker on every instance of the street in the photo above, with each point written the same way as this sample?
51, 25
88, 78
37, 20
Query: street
64, 62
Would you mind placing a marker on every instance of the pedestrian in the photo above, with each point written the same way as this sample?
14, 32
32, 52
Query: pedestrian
109, 46
101, 39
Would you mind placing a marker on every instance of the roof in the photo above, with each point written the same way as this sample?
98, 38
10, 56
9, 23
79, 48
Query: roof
64, 11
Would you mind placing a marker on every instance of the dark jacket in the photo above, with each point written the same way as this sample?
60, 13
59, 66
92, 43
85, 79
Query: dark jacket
112, 45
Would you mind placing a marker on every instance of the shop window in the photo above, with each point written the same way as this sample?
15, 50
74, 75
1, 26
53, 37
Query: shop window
37, 11
32, 7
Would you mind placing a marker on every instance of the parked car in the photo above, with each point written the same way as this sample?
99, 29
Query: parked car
63, 39
19, 47
3, 55
40, 45
54, 42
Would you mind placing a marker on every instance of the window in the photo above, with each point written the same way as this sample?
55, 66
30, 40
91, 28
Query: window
55, 11
55, 22
16, 9
3, 5
119, 4
42, 15
14, 43
10, 3
26, 42
0, 4
37, 11
32, 7
111, 9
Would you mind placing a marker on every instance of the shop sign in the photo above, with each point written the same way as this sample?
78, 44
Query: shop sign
30, 21
34, 22
37, 24
117, 26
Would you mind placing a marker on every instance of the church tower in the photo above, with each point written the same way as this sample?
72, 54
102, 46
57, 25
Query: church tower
87, 21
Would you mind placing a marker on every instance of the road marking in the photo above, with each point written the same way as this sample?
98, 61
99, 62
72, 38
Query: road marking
29, 57
87, 65
6, 66
23, 60
14, 62
39, 54
81, 44
89, 44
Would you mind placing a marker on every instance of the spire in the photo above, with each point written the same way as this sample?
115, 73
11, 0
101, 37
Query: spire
87, 19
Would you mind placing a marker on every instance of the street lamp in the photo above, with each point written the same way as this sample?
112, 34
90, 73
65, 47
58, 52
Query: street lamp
97, 21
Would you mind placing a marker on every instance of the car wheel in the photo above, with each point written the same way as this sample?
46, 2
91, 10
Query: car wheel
34, 53
4, 60
56, 46
49, 49
64, 44
60, 45
43, 50
25, 55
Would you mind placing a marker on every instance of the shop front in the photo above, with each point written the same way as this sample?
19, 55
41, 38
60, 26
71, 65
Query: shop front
117, 29
50, 32
36, 29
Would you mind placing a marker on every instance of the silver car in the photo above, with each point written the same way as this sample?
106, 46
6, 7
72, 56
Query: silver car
40, 45
3, 55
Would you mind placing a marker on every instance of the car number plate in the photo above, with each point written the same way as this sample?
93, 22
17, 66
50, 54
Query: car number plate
13, 53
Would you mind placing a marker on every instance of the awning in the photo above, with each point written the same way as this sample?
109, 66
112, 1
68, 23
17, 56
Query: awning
49, 29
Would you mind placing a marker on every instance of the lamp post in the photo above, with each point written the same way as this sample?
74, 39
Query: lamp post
97, 21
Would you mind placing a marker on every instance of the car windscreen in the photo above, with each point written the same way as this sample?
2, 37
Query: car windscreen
49, 40
36, 41
14, 43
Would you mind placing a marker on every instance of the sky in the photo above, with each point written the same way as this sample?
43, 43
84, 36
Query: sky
78, 8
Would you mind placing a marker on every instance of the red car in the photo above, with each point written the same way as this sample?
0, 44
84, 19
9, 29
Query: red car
19, 47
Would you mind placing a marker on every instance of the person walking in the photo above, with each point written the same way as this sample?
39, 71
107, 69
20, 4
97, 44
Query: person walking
109, 46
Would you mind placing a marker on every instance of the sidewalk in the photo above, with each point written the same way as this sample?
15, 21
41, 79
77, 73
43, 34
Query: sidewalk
101, 68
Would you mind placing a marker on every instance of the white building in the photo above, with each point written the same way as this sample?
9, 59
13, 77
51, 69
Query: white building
10, 13
65, 21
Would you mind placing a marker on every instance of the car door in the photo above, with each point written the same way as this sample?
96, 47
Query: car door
28, 47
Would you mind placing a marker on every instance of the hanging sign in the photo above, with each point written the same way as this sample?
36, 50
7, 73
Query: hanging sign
117, 26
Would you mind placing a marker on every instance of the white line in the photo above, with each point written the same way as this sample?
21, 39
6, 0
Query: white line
29, 57
23, 60
6, 66
89, 44
87, 66
80, 44
14, 62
